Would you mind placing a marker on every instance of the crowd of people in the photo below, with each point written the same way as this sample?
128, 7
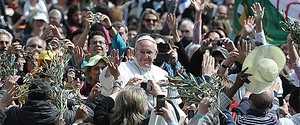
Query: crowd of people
123, 54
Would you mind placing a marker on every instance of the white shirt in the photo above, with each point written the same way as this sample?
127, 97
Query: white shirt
131, 69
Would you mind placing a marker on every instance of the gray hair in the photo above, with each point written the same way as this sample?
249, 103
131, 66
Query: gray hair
188, 22
119, 25
31, 39
57, 12
3, 31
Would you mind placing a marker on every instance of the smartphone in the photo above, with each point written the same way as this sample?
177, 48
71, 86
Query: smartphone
146, 86
160, 102
191, 113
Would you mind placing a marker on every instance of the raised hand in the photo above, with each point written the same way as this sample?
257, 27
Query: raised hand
242, 77
10, 81
14, 48
69, 45
198, 4
96, 91
229, 45
208, 65
129, 54
204, 105
114, 62
104, 20
78, 56
81, 114
89, 20
8, 96
171, 21
206, 44
249, 25
258, 11
244, 49
166, 113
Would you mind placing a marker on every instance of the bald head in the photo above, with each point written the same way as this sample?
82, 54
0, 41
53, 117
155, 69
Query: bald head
263, 101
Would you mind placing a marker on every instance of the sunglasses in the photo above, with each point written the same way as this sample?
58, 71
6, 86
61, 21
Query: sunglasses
149, 20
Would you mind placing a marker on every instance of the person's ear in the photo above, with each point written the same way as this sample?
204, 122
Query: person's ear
270, 106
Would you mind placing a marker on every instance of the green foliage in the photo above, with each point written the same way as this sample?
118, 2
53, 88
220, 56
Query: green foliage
190, 91
293, 28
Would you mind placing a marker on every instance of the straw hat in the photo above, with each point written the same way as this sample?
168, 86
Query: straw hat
264, 63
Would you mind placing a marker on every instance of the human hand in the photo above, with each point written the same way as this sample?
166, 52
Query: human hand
171, 21
81, 114
69, 45
114, 62
88, 20
206, 44
258, 11
129, 55
242, 77
14, 48
96, 91
173, 55
208, 66
284, 109
229, 45
198, 4
8, 96
232, 57
166, 113
11, 80
244, 49
155, 89
135, 81
51, 31
249, 25
204, 105
104, 20
78, 56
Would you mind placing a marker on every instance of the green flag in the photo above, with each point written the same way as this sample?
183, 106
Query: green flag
272, 17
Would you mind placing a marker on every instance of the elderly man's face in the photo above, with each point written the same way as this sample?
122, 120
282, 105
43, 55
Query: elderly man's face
4, 42
54, 19
36, 45
186, 30
145, 53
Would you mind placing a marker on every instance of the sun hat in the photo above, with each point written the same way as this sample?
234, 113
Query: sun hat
41, 16
94, 60
220, 51
264, 63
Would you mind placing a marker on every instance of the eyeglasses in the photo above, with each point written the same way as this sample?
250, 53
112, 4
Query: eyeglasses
185, 31
149, 53
149, 20
95, 42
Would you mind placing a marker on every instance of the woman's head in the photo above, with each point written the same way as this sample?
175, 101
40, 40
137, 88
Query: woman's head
74, 16
130, 106
149, 21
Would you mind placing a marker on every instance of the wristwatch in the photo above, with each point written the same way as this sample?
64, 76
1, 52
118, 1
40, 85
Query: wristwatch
224, 66
117, 83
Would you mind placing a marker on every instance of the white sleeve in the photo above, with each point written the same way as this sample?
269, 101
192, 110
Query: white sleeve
27, 9
261, 37
42, 6
295, 78
107, 83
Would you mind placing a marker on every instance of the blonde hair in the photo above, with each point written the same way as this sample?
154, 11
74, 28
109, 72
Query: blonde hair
142, 28
221, 22
130, 107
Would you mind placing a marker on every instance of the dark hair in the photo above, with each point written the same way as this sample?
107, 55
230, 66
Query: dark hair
294, 100
70, 13
212, 31
40, 89
119, 25
94, 33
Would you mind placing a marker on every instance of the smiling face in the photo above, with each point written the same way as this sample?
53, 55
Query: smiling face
98, 45
145, 53
150, 21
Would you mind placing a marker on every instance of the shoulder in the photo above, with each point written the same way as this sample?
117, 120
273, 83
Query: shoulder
159, 70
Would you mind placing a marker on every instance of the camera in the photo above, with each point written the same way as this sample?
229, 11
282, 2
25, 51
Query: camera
146, 86
96, 17
191, 113
218, 42
160, 102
